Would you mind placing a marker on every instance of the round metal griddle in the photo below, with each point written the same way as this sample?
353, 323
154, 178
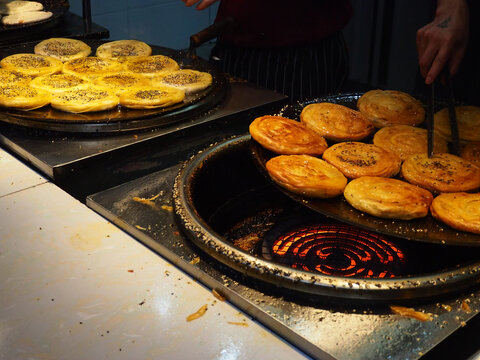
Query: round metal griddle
121, 119
21, 31
224, 172
426, 229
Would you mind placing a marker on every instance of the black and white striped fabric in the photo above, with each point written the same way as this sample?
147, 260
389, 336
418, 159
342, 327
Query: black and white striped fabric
299, 72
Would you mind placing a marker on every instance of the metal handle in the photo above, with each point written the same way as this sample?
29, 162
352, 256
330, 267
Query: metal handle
210, 32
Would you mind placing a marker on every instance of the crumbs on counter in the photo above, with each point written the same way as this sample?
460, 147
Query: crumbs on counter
195, 260
409, 312
167, 207
218, 295
465, 307
238, 323
199, 313
140, 227
130, 271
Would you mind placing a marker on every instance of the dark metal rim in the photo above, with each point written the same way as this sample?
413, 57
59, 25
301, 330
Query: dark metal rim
200, 233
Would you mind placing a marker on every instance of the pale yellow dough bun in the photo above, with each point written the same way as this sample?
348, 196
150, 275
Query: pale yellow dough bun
56, 83
286, 136
151, 97
10, 77
441, 173
388, 198
120, 48
460, 211
63, 49
468, 123
89, 99
356, 159
123, 81
306, 175
23, 97
406, 140
92, 67
32, 64
391, 107
336, 122
190, 81
150, 65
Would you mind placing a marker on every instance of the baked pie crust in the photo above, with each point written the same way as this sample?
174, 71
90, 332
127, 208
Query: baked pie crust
468, 123
441, 173
388, 198
406, 140
23, 97
356, 159
471, 152
89, 99
391, 107
286, 136
336, 122
56, 83
190, 81
150, 65
92, 67
306, 175
120, 48
151, 97
63, 49
32, 64
460, 211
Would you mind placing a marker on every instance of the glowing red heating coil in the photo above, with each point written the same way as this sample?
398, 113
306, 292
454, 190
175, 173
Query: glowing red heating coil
338, 249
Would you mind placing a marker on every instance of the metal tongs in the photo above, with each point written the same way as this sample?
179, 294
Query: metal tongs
451, 114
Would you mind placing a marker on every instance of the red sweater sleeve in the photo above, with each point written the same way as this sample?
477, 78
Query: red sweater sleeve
276, 23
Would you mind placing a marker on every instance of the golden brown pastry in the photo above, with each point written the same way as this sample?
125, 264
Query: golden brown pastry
388, 198
471, 152
9, 77
391, 107
441, 173
32, 64
56, 83
406, 140
286, 136
121, 82
63, 49
23, 97
92, 67
356, 159
150, 65
119, 48
336, 122
306, 175
89, 99
190, 81
460, 210
468, 122
151, 97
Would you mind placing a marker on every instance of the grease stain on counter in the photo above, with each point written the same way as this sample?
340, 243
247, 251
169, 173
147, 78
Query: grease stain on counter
90, 237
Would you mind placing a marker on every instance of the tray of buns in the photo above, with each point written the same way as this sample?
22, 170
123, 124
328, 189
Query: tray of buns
363, 185
95, 86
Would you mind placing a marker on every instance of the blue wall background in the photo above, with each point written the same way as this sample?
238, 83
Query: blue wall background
167, 23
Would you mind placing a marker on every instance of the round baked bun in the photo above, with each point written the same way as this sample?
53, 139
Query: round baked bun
306, 175
286, 136
89, 99
190, 81
26, 17
406, 140
391, 107
356, 159
388, 198
150, 65
121, 82
19, 6
468, 122
460, 211
9, 77
441, 173
92, 67
32, 64
120, 48
336, 122
471, 152
23, 97
63, 49
151, 97
56, 83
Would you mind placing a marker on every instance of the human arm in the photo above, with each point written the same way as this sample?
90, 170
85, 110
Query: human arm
201, 4
444, 40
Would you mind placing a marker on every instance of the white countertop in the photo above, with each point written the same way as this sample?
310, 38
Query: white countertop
75, 286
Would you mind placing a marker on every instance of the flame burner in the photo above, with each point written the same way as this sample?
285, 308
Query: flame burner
336, 249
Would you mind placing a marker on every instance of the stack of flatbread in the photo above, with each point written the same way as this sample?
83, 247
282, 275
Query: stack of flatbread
18, 12
62, 73
376, 157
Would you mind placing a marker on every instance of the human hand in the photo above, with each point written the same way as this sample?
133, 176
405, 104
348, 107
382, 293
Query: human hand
443, 41
201, 4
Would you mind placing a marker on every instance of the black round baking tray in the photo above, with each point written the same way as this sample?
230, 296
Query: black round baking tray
121, 119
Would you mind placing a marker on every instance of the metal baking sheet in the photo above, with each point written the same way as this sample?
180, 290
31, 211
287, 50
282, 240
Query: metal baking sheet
425, 229
120, 118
